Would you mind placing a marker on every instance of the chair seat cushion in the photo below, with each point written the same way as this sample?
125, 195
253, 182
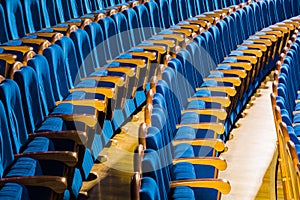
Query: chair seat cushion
184, 151
67, 108
25, 167
183, 193
13, 191
182, 171
39, 144
52, 124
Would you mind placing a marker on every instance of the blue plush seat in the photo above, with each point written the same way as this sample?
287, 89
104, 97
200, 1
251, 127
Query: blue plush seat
20, 144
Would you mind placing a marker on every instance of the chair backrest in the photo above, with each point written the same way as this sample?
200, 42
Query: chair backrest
6, 152
225, 40
252, 28
40, 64
72, 67
3, 30
272, 9
11, 98
155, 16
206, 59
237, 25
15, 19
183, 10
63, 10
85, 56
96, 36
280, 9
144, 20
76, 8
111, 41
48, 8
56, 60
265, 16
197, 63
26, 79
134, 27
32, 10
218, 44
123, 31
165, 13
174, 12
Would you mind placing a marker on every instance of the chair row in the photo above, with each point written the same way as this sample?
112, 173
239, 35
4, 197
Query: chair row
68, 140
285, 109
187, 158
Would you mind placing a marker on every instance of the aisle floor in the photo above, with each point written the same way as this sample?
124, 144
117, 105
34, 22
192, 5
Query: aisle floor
251, 150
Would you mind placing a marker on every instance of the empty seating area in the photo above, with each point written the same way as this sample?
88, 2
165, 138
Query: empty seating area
74, 72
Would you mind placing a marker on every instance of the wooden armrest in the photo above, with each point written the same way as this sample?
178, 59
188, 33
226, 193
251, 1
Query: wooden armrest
217, 162
273, 38
194, 27
261, 41
262, 47
289, 26
238, 72
70, 159
117, 80
79, 137
89, 120
277, 33
251, 59
67, 30
169, 43
213, 14
292, 22
221, 12
201, 23
296, 124
33, 40
159, 49
220, 113
186, 32
221, 185
53, 35
209, 19
141, 63
228, 90
279, 28
129, 71
177, 37
245, 65
108, 92
234, 80
296, 111
217, 127
224, 101
229, 9
9, 58
257, 53
23, 49
217, 144
55, 183
95, 103
84, 22
150, 55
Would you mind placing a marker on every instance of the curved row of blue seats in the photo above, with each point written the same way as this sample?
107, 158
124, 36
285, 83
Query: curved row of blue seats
27, 77
288, 86
162, 104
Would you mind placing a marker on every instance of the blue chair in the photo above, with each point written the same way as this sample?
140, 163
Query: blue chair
18, 176
153, 168
21, 145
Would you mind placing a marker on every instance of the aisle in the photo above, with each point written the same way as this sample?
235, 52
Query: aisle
251, 150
